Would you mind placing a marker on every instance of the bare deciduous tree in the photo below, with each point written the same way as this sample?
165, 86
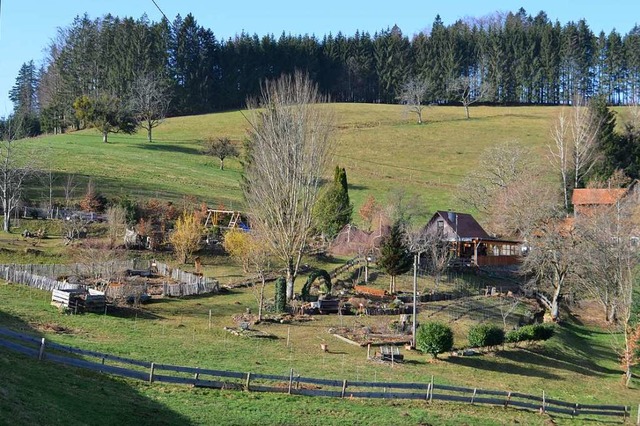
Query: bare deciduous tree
560, 152
15, 168
288, 152
607, 269
253, 253
97, 261
69, 187
412, 96
438, 254
503, 185
583, 130
551, 260
117, 221
150, 102
469, 90
220, 148
507, 306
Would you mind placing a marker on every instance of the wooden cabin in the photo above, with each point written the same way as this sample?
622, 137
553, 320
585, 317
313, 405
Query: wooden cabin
471, 244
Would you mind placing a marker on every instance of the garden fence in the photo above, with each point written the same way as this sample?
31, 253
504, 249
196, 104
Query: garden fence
45, 276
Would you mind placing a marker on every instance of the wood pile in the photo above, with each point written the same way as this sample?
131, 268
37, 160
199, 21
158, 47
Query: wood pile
79, 300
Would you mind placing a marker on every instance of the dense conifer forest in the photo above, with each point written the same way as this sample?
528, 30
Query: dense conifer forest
520, 58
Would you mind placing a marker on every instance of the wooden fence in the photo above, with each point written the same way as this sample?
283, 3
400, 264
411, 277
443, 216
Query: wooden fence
44, 276
189, 284
18, 276
295, 384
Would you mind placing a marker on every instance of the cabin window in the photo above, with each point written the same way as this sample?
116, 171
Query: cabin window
440, 226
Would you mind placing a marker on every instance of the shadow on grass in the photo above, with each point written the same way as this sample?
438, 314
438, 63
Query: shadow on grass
171, 148
557, 360
132, 312
56, 394
482, 363
414, 362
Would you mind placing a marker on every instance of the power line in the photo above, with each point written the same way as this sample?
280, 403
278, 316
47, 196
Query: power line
158, 7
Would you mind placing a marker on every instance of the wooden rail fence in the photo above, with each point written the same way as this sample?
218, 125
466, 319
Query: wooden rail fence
297, 385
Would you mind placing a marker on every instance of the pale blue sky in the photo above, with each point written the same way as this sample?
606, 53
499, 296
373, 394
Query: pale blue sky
26, 26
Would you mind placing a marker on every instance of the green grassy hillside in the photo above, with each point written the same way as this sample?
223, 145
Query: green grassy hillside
381, 148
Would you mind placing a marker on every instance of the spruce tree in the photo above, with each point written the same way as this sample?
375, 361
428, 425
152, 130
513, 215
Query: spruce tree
333, 209
395, 258
614, 152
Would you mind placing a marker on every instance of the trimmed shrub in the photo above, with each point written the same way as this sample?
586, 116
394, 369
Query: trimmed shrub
434, 338
530, 333
512, 336
543, 331
485, 335
281, 295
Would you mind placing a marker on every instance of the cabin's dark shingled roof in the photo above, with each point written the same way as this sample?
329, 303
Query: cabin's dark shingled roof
467, 226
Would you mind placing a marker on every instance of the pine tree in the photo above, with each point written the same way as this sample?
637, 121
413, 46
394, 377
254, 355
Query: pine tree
395, 258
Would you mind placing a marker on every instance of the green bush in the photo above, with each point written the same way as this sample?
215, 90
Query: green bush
281, 295
512, 336
530, 333
434, 338
485, 335
543, 331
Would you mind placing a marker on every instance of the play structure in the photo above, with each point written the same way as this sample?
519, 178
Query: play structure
229, 219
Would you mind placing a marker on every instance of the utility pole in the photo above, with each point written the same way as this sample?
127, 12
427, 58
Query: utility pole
415, 298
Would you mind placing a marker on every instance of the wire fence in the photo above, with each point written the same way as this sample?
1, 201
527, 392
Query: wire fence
295, 384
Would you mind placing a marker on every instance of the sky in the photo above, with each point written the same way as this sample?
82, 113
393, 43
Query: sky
27, 26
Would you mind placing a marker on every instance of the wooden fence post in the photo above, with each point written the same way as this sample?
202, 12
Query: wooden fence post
209, 319
41, 353
246, 383
474, 394
196, 377
151, 371
544, 400
369, 351
431, 389
290, 381
344, 387
506, 403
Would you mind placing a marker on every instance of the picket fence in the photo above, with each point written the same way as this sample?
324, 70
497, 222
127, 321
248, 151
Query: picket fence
295, 384
44, 276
